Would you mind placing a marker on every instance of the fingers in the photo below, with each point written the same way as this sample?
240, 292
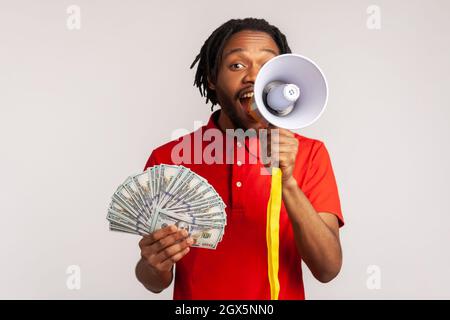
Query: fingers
280, 132
286, 159
169, 253
283, 146
157, 235
286, 132
283, 151
286, 138
169, 240
164, 247
288, 148
168, 263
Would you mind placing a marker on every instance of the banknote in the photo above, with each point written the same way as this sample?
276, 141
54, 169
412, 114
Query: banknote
166, 195
204, 235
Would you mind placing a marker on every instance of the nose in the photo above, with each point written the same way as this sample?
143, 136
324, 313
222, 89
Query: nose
250, 76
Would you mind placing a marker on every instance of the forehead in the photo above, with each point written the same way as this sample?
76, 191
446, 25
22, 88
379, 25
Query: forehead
249, 40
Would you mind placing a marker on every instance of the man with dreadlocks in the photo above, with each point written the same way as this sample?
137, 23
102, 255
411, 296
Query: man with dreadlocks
310, 216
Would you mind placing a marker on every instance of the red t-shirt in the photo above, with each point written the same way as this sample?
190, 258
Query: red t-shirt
237, 269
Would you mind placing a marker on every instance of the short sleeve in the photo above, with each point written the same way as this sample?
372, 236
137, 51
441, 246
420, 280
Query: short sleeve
320, 184
152, 161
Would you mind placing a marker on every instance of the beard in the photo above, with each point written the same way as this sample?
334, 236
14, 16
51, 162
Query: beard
235, 112
234, 117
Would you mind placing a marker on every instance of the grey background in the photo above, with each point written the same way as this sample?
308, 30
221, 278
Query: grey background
81, 110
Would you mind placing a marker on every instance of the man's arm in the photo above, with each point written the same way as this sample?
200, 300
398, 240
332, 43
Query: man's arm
316, 234
151, 279
160, 250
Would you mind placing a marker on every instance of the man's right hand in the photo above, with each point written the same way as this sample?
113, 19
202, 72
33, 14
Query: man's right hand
163, 248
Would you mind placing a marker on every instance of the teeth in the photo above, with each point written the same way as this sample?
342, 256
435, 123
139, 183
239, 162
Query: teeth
247, 95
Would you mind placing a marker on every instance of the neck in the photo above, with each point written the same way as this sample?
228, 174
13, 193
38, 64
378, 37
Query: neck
224, 122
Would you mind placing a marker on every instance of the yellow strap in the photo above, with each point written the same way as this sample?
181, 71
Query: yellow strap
272, 232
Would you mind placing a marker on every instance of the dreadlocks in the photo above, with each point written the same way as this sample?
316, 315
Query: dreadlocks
210, 54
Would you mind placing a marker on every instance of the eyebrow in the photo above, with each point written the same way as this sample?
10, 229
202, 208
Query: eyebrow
242, 50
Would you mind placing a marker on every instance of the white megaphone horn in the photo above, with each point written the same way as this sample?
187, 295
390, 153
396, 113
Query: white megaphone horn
290, 92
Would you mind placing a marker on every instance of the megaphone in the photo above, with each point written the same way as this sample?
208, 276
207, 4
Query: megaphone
290, 92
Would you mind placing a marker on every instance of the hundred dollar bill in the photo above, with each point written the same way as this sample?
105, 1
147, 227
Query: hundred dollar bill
173, 194
120, 202
188, 188
157, 182
172, 177
126, 222
117, 209
202, 220
207, 200
165, 194
204, 193
137, 197
200, 211
215, 203
200, 191
141, 183
204, 236
205, 213
116, 227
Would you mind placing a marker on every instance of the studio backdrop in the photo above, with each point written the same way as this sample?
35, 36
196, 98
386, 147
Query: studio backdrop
89, 88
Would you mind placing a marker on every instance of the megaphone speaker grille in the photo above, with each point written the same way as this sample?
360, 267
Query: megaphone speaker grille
307, 76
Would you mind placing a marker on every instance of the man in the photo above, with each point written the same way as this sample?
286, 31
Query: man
310, 215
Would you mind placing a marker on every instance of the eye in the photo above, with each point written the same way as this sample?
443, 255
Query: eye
236, 66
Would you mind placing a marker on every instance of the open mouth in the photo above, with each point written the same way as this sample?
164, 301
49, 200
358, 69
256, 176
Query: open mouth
246, 99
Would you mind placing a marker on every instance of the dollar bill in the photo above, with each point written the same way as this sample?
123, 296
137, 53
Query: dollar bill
168, 194
204, 236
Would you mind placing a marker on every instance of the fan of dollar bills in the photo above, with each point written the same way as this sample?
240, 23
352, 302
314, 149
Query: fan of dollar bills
169, 195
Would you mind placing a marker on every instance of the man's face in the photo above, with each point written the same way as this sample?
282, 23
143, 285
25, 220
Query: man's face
243, 55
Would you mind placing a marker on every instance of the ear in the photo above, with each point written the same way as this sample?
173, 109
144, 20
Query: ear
211, 84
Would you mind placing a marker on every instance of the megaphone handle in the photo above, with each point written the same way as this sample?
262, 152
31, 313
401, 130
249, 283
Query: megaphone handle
272, 164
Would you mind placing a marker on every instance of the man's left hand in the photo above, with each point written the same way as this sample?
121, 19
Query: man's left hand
285, 151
